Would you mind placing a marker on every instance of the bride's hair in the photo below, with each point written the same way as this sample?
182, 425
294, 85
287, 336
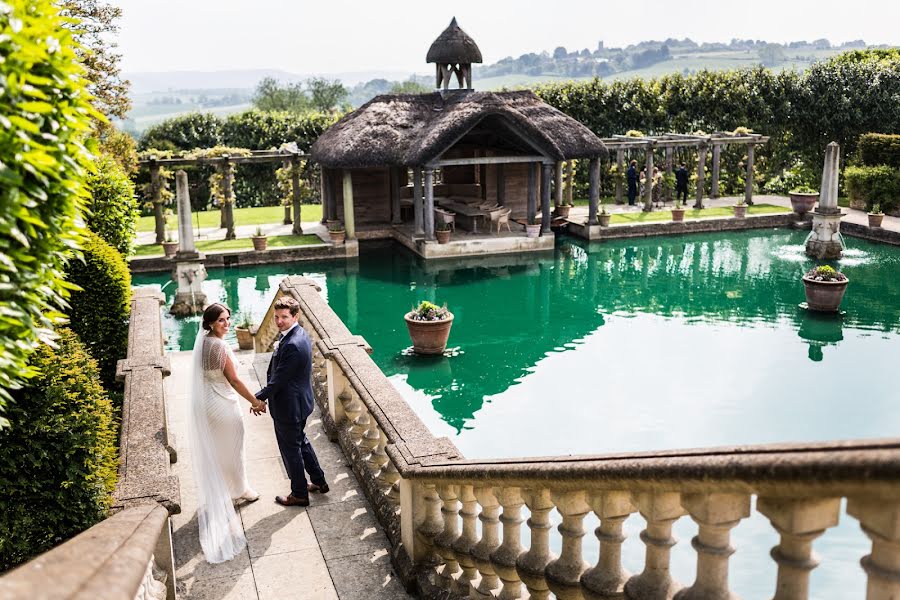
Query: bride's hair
212, 312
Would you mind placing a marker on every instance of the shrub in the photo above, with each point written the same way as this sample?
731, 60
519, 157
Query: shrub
825, 273
58, 460
428, 311
879, 149
184, 132
99, 313
874, 185
45, 112
113, 208
121, 147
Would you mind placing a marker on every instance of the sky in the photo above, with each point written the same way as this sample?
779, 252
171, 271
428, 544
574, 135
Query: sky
343, 36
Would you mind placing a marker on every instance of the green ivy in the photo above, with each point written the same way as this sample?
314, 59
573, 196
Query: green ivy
45, 114
112, 207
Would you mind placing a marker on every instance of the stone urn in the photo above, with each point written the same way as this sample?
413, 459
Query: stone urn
604, 219
429, 337
740, 211
260, 242
170, 248
532, 230
442, 235
678, 215
802, 202
338, 236
824, 296
244, 338
875, 219
562, 211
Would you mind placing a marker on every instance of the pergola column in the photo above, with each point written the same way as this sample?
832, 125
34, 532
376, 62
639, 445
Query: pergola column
228, 198
349, 221
332, 197
593, 190
501, 185
156, 198
748, 184
395, 196
557, 184
701, 174
546, 176
324, 191
620, 174
714, 184
295, 194
532, 193
429, 204
670, 151
570, 185
648, 179
418, 202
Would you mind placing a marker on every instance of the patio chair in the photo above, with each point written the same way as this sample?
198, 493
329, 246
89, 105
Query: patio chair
445, 216
501, 217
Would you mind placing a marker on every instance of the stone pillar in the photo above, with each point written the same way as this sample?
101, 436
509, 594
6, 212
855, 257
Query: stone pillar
323, 194
465, 543
186, 247
443, 542
503, 559
620, 172
531, 565
557, 184
546, 176
532, 193
418, 203
488, 544
701, 174
880, 520
349, 220
714, 182
228, 197
156, 198
661, 510
648, 179
501, 185
670, 151
395, 196
429, 204
564, 573
748, 183
593, 190
570, 186
297, 229
189, 270
607, 579
332, 196
825, 241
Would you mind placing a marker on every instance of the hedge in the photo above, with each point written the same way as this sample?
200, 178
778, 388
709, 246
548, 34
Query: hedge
874, 185
45, 113
112, 206
58, 460
99, 311
879, 149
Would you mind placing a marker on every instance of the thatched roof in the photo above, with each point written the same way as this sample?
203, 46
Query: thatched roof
415, 129
454, 46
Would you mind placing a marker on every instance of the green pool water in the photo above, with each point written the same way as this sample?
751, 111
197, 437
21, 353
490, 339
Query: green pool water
628, 345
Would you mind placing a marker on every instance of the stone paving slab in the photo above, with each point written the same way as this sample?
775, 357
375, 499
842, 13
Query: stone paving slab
332, 550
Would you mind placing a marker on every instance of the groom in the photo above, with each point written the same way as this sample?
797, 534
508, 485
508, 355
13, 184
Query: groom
288, 392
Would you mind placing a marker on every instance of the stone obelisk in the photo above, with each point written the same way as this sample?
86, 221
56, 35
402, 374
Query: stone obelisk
189, 270
825, 241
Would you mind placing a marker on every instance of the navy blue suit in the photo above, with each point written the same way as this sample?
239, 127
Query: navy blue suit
289, 394
632, 177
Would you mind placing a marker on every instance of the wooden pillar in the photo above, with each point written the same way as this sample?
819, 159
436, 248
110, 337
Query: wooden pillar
570, 186
295, 193
648, 179
593, 190
482, 181
532, 193
429, 204
418, 202
349, 221
395, 196
748, 185
557, 184
669, 160
228, 198
714, 183
620, 172
701, 175
325, 191
501, 185
156, 198
546, 177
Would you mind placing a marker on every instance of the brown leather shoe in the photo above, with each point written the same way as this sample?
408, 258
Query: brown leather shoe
315, 487
291, 501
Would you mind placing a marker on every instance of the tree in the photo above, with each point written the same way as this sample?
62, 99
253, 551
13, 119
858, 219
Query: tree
326, 94
96, 50
771, 54
271, 96
560, 52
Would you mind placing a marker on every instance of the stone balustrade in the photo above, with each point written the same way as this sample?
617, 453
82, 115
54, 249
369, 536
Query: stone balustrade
431, 500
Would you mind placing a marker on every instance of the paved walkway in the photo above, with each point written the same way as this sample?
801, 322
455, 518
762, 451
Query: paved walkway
334, 549
242, 231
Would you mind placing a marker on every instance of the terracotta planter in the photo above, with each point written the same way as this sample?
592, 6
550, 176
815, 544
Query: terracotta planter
428, 337
875, 219
442, 236
562, 211
244, 338
824, 296
260, 242
678, 215
803, 203
740, 211
532, 231
338, 237
170, 248
604, 219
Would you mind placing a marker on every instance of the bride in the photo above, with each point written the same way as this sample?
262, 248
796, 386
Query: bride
217, 438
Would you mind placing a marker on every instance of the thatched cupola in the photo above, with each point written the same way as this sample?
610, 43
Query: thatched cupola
454, 52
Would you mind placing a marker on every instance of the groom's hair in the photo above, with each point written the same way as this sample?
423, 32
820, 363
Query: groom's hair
288, 303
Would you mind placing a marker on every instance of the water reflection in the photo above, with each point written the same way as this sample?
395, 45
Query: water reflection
820, 330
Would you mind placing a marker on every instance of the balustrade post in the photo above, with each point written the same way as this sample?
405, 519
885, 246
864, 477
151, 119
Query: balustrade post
564, 573
504, 558
799, 521
335, 386
357, 414
444, 541
368, 445
531, 565
607, 579
462, 547
378, 458
880, 520
661, 510
420, 522
489, 542
716, 515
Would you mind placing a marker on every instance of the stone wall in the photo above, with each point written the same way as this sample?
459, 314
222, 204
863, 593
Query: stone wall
704, 225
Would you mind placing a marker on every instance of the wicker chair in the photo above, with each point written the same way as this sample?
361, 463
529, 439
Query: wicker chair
445, 216
501, 217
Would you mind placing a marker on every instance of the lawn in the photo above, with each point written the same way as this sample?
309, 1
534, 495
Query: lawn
694, 213
278, 241
263, 215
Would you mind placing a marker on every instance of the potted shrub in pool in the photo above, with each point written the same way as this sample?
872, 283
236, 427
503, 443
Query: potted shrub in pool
442, 232
337, 233
170, 246
875, 216
242, 331
803, 198
825, 288
429, 327
260, 241
740, 210
678, 212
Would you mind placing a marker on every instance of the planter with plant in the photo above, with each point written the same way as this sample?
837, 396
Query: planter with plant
562, 211
803, 199
170, 245
604, 216
740, 209
260, 240
242, 331
442, 232
875, 216
429, 327
337, 232
825, 288
532, 229
678, 212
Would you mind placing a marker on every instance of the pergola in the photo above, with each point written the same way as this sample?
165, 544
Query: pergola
670, 141
287, 156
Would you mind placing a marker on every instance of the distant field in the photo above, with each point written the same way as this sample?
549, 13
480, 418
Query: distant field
517, 81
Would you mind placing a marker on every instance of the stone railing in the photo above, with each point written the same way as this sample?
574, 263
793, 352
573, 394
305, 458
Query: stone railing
431, 501
128, 555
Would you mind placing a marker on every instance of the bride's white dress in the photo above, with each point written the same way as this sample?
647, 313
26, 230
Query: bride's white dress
217, 446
